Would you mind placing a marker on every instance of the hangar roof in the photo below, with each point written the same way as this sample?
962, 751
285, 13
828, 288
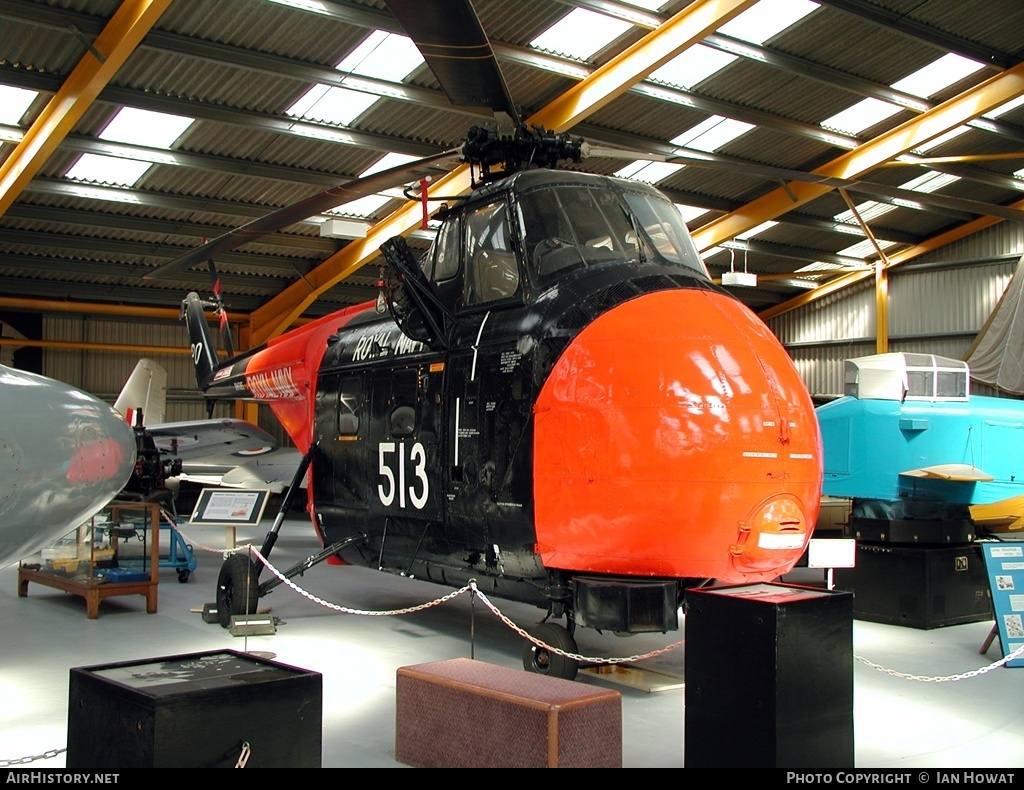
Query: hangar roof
825, 136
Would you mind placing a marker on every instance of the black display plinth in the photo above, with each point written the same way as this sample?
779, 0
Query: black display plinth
918, 586
769, 677
195, 711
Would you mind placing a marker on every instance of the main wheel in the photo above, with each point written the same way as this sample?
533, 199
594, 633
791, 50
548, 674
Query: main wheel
547, 662
237, 588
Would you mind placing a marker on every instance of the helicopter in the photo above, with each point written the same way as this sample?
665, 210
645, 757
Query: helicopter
555, 402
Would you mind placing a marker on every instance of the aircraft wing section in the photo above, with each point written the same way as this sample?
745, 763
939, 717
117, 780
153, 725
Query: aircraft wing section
225, 443
1006, 515
274, 471
963, 473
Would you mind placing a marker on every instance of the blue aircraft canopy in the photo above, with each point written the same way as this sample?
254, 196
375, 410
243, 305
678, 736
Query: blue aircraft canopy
906, 377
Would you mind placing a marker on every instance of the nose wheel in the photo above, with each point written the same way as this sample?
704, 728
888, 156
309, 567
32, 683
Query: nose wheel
237, 588
548, 662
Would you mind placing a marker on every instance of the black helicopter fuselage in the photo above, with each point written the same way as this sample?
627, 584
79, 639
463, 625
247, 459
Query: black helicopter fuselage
557, 403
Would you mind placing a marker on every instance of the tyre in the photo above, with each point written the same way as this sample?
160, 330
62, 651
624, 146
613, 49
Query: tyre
547, 662
237, 588
183, 575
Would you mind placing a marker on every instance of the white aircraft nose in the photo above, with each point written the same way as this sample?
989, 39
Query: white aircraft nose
63, 455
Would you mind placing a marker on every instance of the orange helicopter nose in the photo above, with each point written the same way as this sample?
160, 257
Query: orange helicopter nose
674, 437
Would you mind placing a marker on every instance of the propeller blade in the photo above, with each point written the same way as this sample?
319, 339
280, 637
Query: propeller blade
453, 43
296, 212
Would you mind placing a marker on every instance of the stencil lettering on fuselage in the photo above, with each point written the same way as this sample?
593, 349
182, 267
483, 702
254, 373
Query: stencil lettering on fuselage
403, 471
377, 344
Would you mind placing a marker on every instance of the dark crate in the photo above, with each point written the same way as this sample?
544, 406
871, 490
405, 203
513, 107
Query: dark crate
769, 677
918, 586
194, 711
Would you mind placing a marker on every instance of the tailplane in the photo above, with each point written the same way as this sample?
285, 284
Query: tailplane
144, 394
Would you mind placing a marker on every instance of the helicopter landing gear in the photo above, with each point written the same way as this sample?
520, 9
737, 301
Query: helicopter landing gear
547, 662
237, 588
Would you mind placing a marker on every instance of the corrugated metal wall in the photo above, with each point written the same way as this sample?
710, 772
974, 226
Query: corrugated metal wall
103, 373
936, 305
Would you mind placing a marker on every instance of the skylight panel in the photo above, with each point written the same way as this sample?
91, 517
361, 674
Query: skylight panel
862, 115
865, 248
924, 82
928, 182
935, 142
712, 133
648, 172
386, 162
580, 33
145, 127
690, 213
765, 19
1013, 104
363, 207
381, 55
136, 127
14, 103
937, 75
385, 56
108, 170
756, 230
692, 66
368, 205
867, 211
332, 105
757, 24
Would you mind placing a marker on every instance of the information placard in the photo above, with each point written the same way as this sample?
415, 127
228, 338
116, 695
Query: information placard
1004, 562
234, 507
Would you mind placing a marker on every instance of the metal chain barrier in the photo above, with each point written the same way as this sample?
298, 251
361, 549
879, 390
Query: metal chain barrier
32, 759
470, 588
942, 679
474, 590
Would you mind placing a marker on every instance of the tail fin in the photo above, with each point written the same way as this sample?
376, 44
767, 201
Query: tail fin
204, 349
144, 394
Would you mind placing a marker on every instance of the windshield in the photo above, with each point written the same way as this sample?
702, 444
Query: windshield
665, 229
566, 227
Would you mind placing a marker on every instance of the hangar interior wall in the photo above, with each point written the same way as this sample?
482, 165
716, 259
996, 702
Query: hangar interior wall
937, 305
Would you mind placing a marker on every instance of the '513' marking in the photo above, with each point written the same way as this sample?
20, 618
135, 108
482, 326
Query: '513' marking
417, 489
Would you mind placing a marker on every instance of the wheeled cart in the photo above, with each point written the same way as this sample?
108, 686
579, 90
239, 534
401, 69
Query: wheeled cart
179, 555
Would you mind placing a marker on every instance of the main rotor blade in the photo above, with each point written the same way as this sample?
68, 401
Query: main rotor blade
453, 43
905, 197
311, 206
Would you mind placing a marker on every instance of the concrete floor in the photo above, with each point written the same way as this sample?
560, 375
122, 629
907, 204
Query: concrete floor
922, 698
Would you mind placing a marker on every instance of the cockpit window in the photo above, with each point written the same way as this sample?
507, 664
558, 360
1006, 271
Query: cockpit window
442, 261
566, 227
665, 229
492, 271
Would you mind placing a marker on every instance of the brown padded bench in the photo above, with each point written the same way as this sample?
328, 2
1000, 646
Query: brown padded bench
463, 713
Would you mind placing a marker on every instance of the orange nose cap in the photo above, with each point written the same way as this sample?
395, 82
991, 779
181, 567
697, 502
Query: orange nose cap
774, 537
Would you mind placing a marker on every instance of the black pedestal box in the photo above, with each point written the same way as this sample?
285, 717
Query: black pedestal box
769, 677
195, 711
918, 586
